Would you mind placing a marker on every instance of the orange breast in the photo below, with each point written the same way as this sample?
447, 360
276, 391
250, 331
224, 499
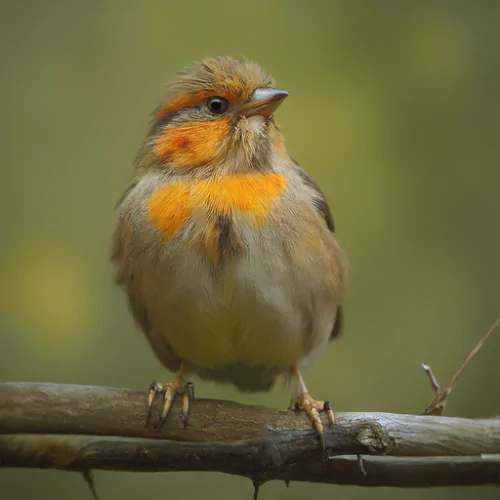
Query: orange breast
172, 205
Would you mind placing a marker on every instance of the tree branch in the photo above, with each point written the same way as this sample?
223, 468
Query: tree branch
82, 428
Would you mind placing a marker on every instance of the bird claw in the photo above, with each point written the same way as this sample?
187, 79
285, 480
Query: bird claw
170, 391
154, 388
312, 408
187, 396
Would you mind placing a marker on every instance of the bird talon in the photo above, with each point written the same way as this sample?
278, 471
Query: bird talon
187, 396
169, 394
327, 407
321, 438
154, 389
313, 409
316, 421
189, 388
170, 391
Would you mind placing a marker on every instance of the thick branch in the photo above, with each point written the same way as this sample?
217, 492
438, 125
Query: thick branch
81, 428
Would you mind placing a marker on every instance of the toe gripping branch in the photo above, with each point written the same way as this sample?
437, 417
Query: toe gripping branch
170, 391
312, 408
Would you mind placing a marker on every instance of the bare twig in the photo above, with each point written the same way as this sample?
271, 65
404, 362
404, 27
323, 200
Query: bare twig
437, 405
432, 379
81, 428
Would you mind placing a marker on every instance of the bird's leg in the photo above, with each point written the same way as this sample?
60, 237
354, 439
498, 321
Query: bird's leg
311, 406
169, 392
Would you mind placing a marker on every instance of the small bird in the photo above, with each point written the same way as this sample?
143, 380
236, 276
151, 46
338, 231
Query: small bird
224, 244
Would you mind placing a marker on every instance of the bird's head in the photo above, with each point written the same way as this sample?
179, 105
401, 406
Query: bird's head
218, 113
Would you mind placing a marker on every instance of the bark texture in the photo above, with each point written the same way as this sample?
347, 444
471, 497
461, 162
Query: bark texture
81, 428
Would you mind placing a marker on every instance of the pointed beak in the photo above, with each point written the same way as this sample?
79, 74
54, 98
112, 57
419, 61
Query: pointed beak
263, 102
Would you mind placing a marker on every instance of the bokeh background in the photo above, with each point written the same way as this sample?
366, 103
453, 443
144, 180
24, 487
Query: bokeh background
394, 110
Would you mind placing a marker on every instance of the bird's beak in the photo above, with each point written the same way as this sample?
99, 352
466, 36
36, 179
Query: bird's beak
263, 102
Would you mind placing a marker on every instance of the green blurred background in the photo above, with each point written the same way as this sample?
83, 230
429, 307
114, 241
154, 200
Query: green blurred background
394, 110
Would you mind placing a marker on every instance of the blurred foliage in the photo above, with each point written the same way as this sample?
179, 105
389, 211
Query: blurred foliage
394, 110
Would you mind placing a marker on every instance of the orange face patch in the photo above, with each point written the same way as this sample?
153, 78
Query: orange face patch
172, 205
193, 144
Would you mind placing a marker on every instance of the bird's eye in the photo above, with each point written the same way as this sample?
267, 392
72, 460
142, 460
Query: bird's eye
217, 105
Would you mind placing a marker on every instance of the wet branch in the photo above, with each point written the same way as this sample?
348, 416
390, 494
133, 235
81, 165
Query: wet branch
81, 428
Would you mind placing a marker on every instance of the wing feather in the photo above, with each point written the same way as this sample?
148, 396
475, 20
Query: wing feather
323, 209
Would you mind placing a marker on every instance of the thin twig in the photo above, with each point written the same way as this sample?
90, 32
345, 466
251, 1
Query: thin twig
473, 353
437, 405
432, 379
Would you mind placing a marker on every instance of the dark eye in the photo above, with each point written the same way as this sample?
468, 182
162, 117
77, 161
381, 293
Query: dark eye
217, 105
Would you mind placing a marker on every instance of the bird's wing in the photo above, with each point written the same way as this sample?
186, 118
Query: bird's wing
323, 209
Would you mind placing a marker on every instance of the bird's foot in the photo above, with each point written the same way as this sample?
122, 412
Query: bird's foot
170, 391
313, 408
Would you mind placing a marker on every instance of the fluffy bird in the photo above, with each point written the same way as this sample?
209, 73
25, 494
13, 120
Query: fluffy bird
224, 244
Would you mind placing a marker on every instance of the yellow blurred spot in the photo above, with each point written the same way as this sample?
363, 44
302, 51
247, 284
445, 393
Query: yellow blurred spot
49, 293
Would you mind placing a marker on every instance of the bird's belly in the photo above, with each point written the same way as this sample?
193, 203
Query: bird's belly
244, 314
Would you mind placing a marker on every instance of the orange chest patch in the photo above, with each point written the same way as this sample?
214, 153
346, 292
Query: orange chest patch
173, 204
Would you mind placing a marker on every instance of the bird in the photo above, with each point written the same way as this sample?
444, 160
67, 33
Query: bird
224, 244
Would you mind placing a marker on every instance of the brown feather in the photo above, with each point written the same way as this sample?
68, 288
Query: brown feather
323, 209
